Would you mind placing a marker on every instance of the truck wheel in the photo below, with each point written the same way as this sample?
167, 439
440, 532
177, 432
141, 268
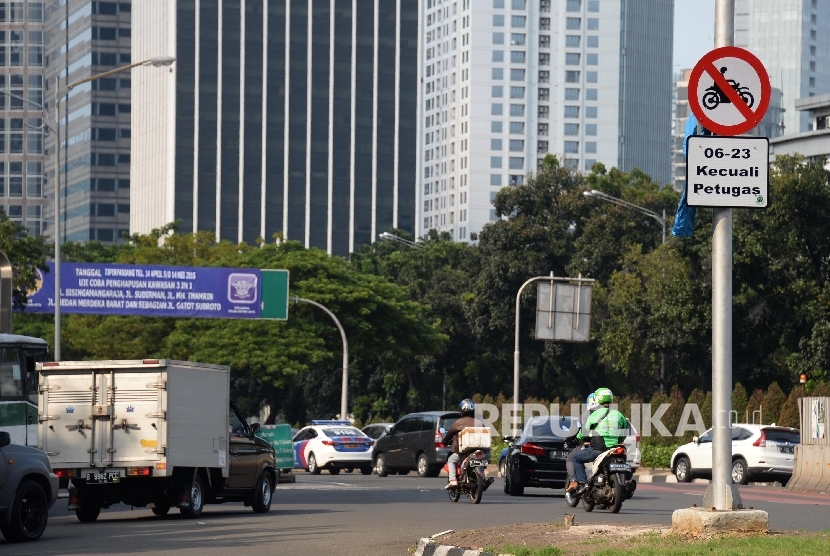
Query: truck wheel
334, 470
262, 494
313, 468
88, 510
28, 513
161, 508
196, 498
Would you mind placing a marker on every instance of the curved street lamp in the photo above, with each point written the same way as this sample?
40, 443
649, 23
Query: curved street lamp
160, 61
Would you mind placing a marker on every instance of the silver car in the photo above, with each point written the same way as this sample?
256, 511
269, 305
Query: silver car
28, 488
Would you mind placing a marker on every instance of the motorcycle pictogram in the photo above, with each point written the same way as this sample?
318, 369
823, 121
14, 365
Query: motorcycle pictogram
715, 96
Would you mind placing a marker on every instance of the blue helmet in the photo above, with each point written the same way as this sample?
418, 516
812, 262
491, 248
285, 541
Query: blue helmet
467, 405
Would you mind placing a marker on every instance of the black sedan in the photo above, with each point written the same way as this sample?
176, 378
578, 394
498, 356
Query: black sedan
537, 457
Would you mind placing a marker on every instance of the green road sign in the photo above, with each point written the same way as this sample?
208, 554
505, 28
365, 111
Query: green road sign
274, 294
280, 438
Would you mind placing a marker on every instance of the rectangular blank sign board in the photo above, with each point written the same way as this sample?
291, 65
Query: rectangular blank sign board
566, 317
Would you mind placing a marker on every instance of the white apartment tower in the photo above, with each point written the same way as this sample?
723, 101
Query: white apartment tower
505, 82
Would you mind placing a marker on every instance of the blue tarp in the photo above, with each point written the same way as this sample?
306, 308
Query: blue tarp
684, 219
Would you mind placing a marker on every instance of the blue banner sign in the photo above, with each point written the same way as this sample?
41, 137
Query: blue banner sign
152, 291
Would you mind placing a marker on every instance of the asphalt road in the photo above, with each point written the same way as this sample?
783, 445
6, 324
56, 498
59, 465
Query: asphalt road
353, 515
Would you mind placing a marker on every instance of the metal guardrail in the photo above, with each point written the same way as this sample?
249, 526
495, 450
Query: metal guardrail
814, 420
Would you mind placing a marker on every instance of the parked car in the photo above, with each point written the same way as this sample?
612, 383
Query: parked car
332, 445
758, 452
28, 488
377, 430
537, 457
632, 447
415, 443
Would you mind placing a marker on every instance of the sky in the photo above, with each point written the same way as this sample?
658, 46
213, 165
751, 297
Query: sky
694, 28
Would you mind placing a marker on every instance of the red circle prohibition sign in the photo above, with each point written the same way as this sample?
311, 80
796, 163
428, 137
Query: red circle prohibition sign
727, 93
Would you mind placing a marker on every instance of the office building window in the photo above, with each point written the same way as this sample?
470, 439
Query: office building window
495, 127
593, 6
571, 129
541, 147
571, 77
518, 21
544, 76
496, 109
517, 179
571, 94
517, 57
590, 129
590, 146
498, 38
517, 110
544, 59
495, 162
517, 127
495, 179
591, 76
518, 4
593, 24
517, 163
498, 74
589, 164
498, 4
15, 187
544, 112
572, 111
517, 92
498, 20
517, 39
571, 147
498, 55
573, 23
544, 41
593, 41
542, 130
495, 144
517, 145
544, 24
592, 59
590, 111
572, 41
35, 12
590, 94
544, 94
497, 91
517, 75
572, 59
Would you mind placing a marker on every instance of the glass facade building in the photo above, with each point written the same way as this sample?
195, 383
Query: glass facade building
21, 114
289, 118
86, 38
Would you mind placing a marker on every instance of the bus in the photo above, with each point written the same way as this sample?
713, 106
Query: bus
18, 386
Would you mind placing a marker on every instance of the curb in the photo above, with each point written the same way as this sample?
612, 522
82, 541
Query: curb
426, 547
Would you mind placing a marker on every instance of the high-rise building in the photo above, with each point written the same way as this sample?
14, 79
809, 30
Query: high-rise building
505, 82
21, 113
792, 39
85, 39
289, 117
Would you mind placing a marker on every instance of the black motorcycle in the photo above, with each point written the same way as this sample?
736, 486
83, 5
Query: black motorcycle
609, 485
470, 478
715, 96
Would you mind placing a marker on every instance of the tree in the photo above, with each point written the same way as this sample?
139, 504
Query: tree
27, 255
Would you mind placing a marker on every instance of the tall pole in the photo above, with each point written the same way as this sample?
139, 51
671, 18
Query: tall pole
57, 232
721, 493
344, 394
662, 352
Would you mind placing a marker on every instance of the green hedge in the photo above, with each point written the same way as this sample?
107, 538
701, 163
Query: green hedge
657, 456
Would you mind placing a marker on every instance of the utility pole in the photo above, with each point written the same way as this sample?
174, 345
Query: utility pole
721, 493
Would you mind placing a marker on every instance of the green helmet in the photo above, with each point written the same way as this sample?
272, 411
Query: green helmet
603, 396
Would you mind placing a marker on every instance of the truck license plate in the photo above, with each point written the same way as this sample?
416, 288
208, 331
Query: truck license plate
105, 478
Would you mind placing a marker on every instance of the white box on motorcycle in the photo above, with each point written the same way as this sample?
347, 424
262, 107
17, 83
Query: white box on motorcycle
474, 438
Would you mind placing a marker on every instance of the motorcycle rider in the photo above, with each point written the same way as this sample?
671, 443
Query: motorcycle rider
467, 419
569, 463
607, 427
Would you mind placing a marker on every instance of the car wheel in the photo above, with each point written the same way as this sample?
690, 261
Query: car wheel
740, 472
366, 470
683, 470
513, 489
313, 468
262, 494
503, 468
87, 510
28, 514
196, 499
423, 466
380, 466
434, 470
334, 470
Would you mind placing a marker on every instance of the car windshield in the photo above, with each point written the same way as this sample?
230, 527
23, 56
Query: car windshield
331, 433
782, 435
550, 427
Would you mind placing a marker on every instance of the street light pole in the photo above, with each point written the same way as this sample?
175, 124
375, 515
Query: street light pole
344, 394
662, 221
157, 62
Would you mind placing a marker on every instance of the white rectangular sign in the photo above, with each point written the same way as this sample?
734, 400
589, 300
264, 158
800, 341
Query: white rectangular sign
727, 171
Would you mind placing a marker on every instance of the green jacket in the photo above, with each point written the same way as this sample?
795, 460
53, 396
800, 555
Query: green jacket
610, 424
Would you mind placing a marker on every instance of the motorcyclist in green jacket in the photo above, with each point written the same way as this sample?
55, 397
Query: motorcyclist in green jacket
607, 427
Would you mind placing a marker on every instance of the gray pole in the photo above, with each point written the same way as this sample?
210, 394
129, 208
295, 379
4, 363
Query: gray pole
721, 493
57, 234
344, 394
662, 352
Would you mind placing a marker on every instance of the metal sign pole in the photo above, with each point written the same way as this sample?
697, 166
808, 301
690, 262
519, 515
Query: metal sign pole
721, 493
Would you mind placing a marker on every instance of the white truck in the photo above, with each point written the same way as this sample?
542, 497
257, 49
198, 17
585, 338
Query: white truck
157, 433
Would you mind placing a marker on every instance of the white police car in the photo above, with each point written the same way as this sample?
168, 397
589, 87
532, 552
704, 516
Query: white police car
332, 445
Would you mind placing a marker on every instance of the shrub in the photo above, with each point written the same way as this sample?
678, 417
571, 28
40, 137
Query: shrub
657, 456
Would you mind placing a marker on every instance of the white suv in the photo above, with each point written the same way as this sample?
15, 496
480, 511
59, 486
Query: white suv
758, 452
